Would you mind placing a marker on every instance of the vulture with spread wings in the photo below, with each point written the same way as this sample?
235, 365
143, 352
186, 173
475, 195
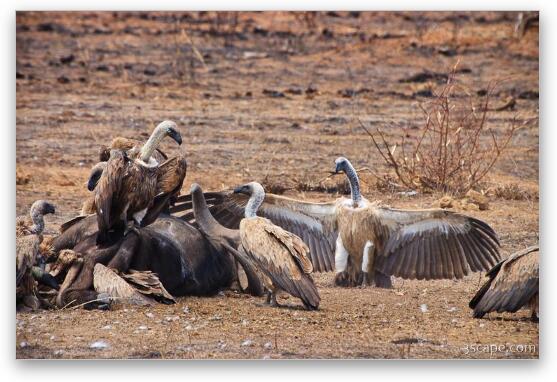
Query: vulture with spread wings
364, 241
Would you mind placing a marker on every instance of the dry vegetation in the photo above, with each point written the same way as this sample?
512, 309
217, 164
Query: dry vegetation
276, 97
453, 149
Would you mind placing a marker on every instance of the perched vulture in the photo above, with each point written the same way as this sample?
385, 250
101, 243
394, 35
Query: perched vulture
354, 235
513, 283
280, 256
129, 184
29, 236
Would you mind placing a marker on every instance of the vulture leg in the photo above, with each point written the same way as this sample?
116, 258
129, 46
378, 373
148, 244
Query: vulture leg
382, 280
341, 262
367, 265
273, 298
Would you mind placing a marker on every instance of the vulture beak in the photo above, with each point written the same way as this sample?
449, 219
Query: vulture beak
174, 134
240, 190
49, 209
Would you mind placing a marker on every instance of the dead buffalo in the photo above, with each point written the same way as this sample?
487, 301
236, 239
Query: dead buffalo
185, 262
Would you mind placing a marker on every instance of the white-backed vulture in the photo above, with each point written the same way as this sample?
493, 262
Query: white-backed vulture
354, 235
29, 236
281, 257
513, 283
128, 185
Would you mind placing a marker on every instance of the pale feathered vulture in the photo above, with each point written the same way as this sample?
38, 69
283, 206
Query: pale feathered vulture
513, 283
353, 234
281, 257
129, 184
29, 235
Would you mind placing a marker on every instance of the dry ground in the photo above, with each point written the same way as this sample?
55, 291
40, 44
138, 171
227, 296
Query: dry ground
274, 98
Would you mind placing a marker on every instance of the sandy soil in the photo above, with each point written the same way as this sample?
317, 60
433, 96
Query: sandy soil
275, 98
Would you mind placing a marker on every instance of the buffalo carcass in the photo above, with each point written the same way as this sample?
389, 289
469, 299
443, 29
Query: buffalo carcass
185, 262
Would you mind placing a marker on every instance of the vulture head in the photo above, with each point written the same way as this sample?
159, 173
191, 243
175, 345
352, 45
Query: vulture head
341, 165
38, 210
169, 129
256, 196
164, 129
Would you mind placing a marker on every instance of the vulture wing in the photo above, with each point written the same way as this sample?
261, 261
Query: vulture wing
108, 189
27, 248
105, 280
275, 253
148, 283
314, 223
511, 285
169, 183
433, 244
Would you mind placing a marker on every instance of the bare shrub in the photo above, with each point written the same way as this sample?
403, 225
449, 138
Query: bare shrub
452, 150
513, 192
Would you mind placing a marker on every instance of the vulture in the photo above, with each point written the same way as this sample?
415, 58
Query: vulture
281, 257
29, 236
129, 184
365, 241
513, 283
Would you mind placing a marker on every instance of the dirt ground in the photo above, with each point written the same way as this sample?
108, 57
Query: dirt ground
272, 97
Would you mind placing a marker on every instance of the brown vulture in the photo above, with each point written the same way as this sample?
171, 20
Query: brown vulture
513, 283
281, 257
128, 186
29, 262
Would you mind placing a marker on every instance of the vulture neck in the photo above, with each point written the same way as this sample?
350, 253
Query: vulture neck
38, 222
254, 202
354, 184
151, 145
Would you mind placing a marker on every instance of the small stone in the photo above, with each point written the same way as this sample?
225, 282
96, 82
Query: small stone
423, 308
268, 346
247, 343
106, 327
99, 345
186, 309
23, 344
149, 314
58, 352
142, 327
452, 309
